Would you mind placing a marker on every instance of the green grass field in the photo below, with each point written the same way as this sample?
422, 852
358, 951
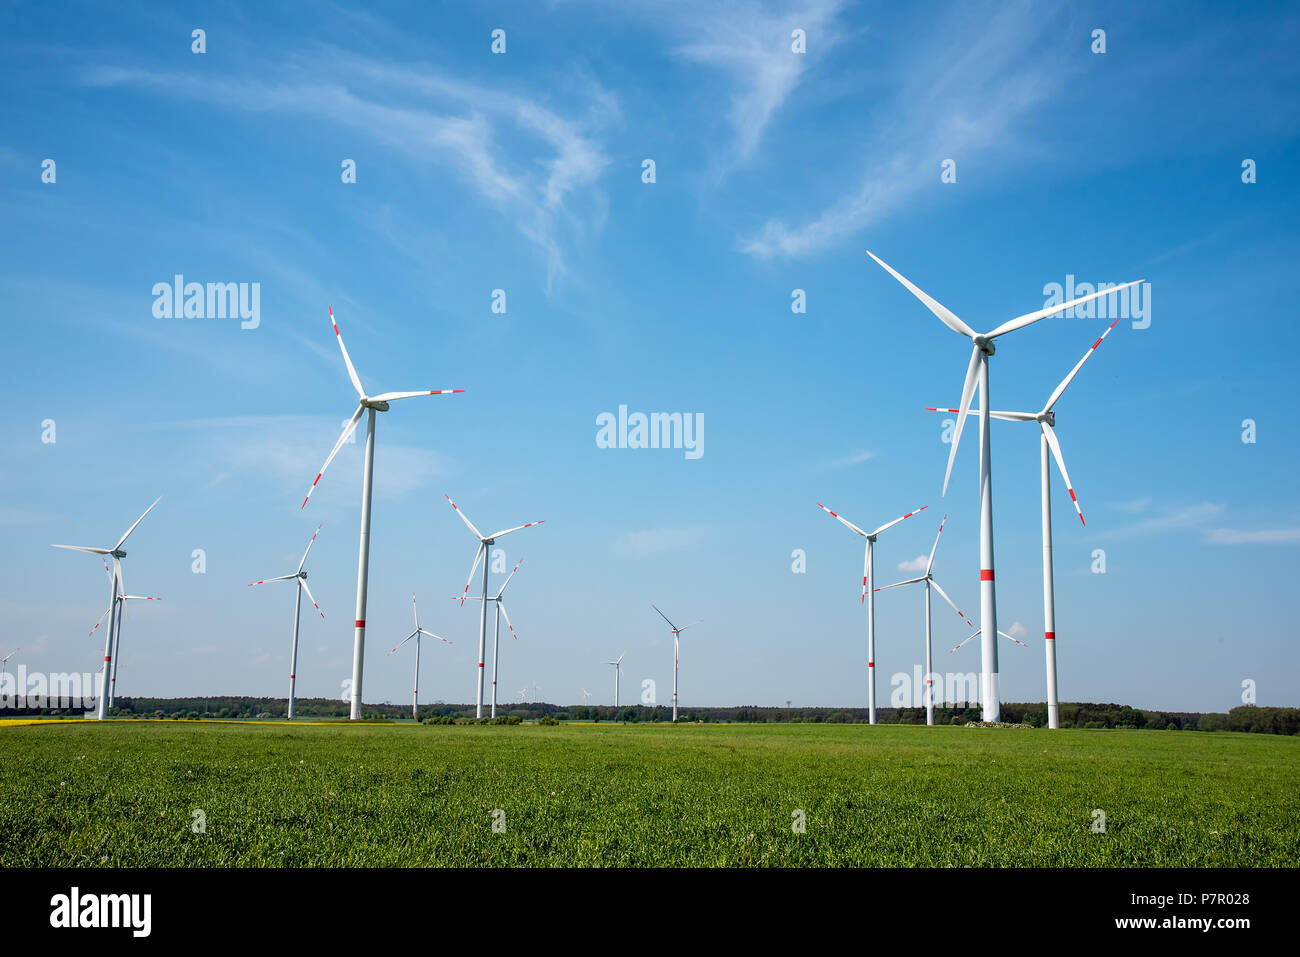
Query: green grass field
123, 794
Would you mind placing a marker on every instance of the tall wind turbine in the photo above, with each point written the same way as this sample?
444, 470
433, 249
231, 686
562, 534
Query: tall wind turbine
618, 667
300, 578
928, 579
496, 638
586, 696
5, 660
484, 543
119, 609
869, 596
369, 404
676, 631
977, 373
417, 635
1046, 419
101, 710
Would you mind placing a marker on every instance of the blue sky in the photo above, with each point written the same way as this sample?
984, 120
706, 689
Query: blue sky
775, 171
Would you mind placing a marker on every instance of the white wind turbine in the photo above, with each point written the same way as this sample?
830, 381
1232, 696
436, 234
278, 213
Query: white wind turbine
484, 543
676, 631
417, 635
523, 693
5, 660
977, 373
618, 667
369, 404
586, 696
122, 599
1046, 419
496, 638
300, 578
869, 596
101, 711
928, 579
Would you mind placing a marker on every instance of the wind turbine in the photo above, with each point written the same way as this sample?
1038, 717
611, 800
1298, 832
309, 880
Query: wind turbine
496, 638
369, 404
5, 660
300, 578
119, 608
976, 635
977, 373
484, 542
869, 596
523, 692
676, 631
586, 696
1046, 419
101, 710
417, 635
618, 667
928, 579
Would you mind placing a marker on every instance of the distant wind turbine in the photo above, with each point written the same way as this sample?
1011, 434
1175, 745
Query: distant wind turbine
869, 596
369, 404
676, 631
299, 577
417, 635
496, 638
618, 666
484, 543
101, 711
928, 579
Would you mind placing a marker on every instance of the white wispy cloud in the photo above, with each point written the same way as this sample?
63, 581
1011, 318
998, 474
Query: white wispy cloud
1261, 536
429, 119
1194, 517
856, 458
1016, 630
655, 541
1135, 505
751, 44
916, 564
968, 91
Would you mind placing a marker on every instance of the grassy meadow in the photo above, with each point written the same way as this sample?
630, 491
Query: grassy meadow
125, 793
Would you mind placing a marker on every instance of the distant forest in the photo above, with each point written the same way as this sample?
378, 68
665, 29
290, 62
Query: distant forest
1073, 715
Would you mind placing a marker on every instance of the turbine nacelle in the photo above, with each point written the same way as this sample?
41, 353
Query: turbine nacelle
118, 553
378, 406
985, 344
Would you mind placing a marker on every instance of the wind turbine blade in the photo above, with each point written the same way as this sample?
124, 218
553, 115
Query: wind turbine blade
390, 396
405, 640
97, 624
282, 578
428, 634
691, 625
83, 548
478, 553
967, 391
976, 635
944, 595
620, 659
1009, 638
463, 517
309, 545
122, 541
910, 581
416, 611
994, 414
303, 581
139, 598
506, 616
512, 575
1056, 393
663, 616
929, 566
1030, 317
347, 430
841, 519
946, 316
1055, 446
516, 528
897, 520
352, 372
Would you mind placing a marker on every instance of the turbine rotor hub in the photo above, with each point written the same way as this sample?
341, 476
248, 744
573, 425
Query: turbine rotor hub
118, 553
377, 406
1050, 418
985, 345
